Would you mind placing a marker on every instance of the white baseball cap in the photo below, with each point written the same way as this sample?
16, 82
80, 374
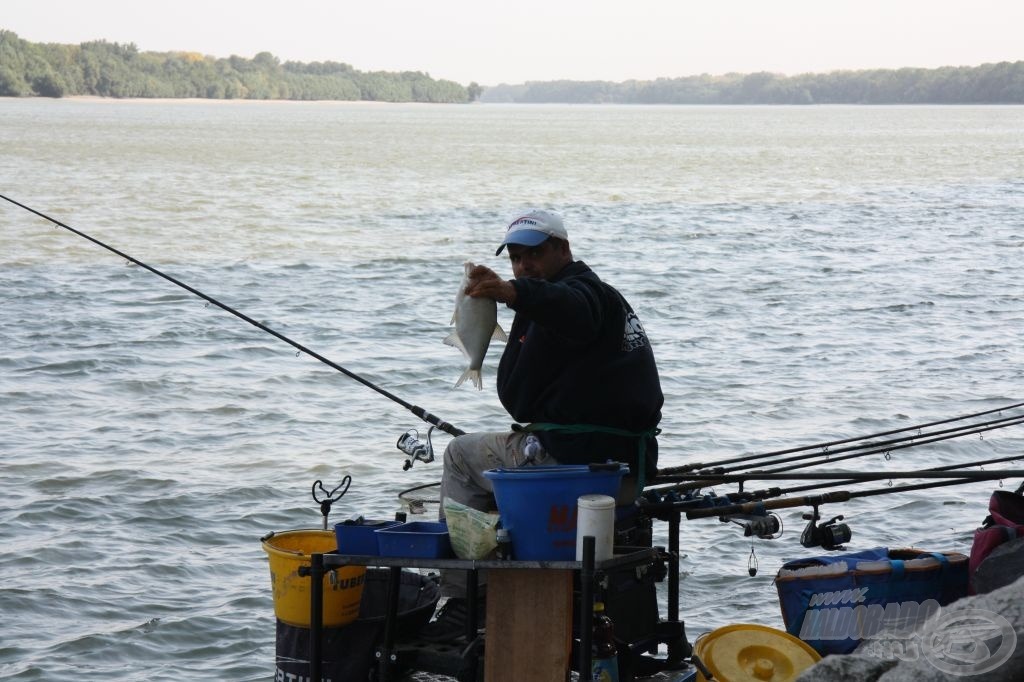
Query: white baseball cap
531, 229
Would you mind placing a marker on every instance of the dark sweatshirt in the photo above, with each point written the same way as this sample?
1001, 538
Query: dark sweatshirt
577, 354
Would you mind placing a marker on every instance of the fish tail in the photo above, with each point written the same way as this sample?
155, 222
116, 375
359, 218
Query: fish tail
474, 377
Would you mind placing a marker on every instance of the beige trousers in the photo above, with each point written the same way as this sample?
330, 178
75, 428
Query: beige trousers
465, 460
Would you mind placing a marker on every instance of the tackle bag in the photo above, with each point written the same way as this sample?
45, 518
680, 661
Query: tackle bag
348, 652
834, 602
1005, 522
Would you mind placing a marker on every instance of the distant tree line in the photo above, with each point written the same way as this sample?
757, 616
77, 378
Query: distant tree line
120, 70
115, 70
1001, 83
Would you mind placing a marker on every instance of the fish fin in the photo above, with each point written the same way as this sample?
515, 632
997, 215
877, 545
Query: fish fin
499, 333
473, 375
454, 315
454, 340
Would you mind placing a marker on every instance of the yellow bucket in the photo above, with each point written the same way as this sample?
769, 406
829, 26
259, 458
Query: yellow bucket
343, 587
741, 653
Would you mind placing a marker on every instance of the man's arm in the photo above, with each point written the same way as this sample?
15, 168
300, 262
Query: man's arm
485, 283
571, 310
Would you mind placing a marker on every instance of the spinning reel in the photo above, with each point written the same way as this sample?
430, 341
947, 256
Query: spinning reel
418, 451
762, 526
765, 527
829, 535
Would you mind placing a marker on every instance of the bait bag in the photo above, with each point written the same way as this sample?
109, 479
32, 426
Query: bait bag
834, 602
472, 532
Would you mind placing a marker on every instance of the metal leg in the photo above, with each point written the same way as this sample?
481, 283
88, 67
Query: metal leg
674, 646
472, 602
387, 650
316, 611
471, 653
586, 615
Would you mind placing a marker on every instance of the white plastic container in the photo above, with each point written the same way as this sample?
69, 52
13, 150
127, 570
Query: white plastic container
596, 517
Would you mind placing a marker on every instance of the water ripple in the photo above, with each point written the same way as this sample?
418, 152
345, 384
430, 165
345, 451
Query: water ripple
150, 440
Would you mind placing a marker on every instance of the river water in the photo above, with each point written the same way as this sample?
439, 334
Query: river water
804, 273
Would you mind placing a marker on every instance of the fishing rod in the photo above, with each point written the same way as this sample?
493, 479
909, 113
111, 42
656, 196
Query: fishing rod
759, 506
656, 501
950, 467
757, 517
861, 476
689, 480
899, 444
820, 446
415, 409
661, 497
752, 510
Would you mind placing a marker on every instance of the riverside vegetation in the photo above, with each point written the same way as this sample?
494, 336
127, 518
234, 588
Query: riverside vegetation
120, 70
1001, 83
116, 70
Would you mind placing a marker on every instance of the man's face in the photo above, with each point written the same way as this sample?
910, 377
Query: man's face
543, 261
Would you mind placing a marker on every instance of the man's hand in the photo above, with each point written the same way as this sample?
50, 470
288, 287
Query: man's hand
485, 283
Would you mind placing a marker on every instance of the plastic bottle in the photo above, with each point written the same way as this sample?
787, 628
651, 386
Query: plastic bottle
504, 550
604, 664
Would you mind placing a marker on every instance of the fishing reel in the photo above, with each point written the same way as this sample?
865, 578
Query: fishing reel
829, 535
418, 451
765, 527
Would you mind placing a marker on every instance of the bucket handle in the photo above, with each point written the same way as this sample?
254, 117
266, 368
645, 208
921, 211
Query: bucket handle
699, 665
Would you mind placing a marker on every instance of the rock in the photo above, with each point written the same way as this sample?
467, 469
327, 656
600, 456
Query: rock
847, 668
1000, 568
980, 637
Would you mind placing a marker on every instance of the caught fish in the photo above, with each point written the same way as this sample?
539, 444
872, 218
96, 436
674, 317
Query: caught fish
476, 323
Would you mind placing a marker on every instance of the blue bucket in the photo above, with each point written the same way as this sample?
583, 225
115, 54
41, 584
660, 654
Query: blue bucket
538, 505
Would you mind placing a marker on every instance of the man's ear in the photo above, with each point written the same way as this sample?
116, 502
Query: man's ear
563, 248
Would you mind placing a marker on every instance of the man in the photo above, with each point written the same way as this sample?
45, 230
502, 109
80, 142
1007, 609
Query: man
578, 373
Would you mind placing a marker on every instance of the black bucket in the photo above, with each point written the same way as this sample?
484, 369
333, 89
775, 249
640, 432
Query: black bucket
348, 651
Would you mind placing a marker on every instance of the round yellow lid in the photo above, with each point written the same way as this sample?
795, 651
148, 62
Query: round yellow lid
737, 653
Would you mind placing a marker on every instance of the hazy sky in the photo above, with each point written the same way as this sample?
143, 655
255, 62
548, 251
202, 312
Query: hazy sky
494, 41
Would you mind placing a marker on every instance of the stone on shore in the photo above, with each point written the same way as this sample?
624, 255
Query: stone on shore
1000, 568
979, 637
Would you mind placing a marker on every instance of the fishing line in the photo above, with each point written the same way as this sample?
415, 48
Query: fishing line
415, 409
